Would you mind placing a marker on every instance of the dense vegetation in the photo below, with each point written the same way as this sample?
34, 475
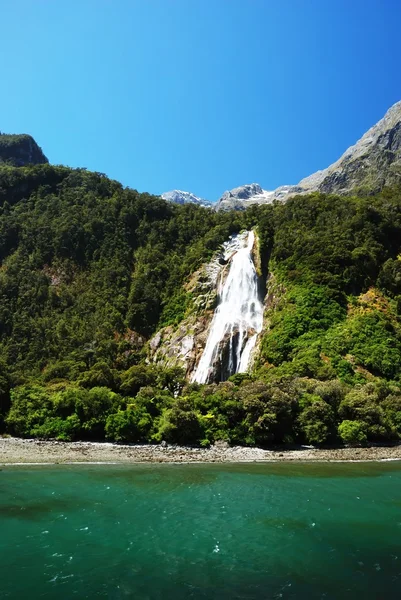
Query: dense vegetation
19, 150
89, 270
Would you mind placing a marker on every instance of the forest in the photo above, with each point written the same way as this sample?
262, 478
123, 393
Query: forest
89, 270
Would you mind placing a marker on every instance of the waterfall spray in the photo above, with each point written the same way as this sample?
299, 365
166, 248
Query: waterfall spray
237, 320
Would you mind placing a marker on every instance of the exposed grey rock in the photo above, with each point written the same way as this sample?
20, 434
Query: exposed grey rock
243, 192
239, 198
221, 444
154, 343
180, 197
369, 165
372, 163
182, 346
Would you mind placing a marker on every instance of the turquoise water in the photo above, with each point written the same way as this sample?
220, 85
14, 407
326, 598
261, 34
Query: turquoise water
201, 531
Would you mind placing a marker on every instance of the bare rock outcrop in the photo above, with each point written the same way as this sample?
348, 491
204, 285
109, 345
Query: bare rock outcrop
182, 345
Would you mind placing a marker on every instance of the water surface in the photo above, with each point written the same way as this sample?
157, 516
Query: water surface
267, 531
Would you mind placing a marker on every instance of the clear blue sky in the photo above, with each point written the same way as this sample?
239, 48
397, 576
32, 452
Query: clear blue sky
199, 95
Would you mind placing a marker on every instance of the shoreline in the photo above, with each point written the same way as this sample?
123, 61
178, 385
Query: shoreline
17, 451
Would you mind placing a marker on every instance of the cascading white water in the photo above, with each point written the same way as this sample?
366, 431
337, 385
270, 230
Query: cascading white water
237, 319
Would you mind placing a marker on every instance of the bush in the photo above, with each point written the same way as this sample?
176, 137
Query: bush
180, 424
130, 425
30, 407
136, 377
61, 429
93, 409
352, 433
317, 422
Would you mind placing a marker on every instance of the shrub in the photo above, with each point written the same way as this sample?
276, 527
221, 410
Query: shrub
130, 425
180, 424
352, 433
30, 406
317, 422
61, 429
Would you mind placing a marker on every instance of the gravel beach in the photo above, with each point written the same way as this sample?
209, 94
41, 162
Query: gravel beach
25, 451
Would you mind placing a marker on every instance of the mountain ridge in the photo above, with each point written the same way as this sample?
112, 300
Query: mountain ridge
107, 292
181, 197
371, 163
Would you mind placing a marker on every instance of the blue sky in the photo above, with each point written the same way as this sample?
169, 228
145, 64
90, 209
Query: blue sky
199, 95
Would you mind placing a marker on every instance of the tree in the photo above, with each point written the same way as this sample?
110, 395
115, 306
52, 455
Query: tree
317, 422
130, 425
352, 433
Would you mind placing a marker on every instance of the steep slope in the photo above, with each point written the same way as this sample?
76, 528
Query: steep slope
20, 150
90, 272
371, 164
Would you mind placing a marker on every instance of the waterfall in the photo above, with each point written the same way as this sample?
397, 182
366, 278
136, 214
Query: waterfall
237, 320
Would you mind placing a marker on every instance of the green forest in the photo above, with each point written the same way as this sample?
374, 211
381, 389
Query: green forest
89, 270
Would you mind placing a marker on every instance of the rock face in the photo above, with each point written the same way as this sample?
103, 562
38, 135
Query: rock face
372, 163
180, 197
240, 197
183, 345
20, 150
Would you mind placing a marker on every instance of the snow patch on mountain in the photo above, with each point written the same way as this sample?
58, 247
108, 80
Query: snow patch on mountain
372, 163
181, 197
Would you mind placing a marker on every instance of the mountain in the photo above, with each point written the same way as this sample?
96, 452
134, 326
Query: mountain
368, 166
180, 197
371, 164
109, 298
238, 197
20, 150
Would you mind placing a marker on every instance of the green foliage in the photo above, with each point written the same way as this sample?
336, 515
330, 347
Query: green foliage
90, 270
317, 421
84, 261
128, 426
64, 430
5, 400
180, 424
352, 433
93, 408
365, 405
30, 406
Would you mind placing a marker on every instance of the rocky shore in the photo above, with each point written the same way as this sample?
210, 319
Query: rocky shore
25, 451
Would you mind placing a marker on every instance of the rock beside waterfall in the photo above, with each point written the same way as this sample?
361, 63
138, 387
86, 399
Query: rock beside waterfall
183, 345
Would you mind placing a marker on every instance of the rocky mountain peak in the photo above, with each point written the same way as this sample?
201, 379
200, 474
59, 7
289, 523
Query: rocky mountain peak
239, 197
181, 197
243, 192
369, 165
372, 161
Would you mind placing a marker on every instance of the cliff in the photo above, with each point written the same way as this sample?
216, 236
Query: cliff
20, 150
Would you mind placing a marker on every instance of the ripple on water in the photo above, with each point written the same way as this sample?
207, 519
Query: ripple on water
205, 533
